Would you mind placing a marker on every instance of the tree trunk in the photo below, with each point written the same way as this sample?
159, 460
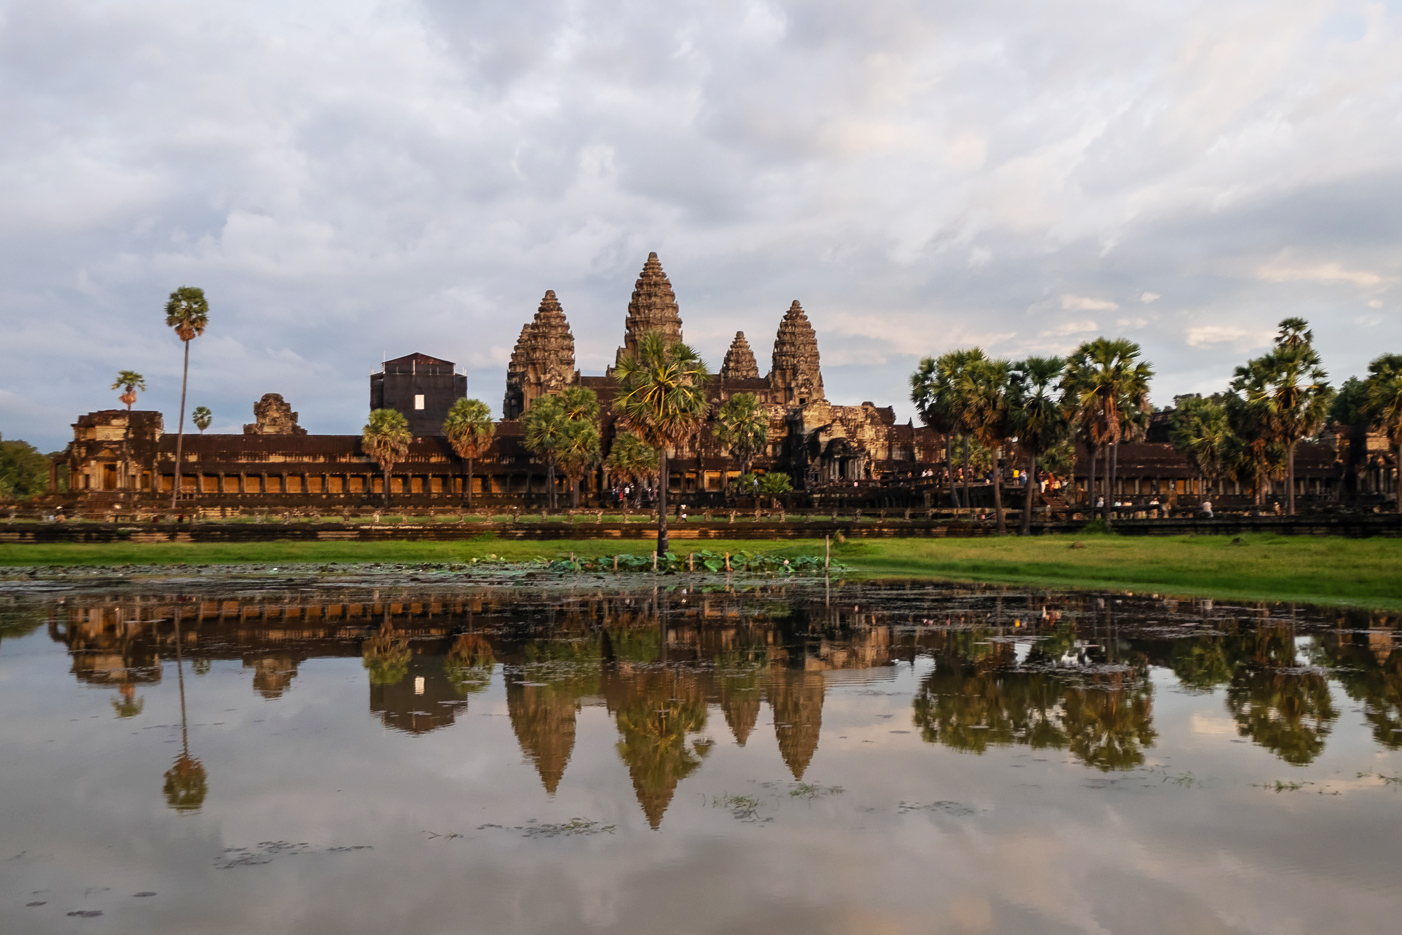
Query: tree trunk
1090, 480
469, 483
180, 435
1397, 488
949, 470
1110, 471
1030, 492
1290, 479
662, 502
386, 490
966, 471
998, 491
550, 483
574, 493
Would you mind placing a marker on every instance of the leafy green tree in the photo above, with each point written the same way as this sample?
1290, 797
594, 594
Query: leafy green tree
742, 428
1104, 389
1383, 407
1200, 429
578, 452
386, 655
544, 424
775, 484
662, 398
129, 382
1037, 419
936, 389
986, 388
202, 418
630, 457
24, 471
187, 312
386, 439
469, 429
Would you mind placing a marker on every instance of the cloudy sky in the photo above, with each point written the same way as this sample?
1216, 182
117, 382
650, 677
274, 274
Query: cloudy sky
354, 179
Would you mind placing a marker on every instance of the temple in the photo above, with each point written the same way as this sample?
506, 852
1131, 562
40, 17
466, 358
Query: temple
122, 461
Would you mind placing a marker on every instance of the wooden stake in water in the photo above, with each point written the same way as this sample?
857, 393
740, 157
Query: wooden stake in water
654, 563
827, 555
691, 561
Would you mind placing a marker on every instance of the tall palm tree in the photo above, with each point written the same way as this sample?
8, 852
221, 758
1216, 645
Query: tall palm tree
1104, 388
544, 424
1289, 385
129, 382
1254, 452
186, 783
1038, 419
578, 451
469, 429
988, 416
630, 457
935, 389
187, 312
1383, 406
202, 418
1200, 429
662, 398
386, 438
742, 428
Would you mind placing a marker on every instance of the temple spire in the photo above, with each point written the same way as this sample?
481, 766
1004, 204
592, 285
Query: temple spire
795, 375
739, 361
653, 307
543, 359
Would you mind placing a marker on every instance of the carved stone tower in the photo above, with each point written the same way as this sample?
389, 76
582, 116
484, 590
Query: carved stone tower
542, 360
273, 416
795, 374
652, 308
739, 361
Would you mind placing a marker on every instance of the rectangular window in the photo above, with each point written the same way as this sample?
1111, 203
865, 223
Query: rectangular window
419, 401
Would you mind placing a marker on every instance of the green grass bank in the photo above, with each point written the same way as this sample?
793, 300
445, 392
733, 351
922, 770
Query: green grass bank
1361, 572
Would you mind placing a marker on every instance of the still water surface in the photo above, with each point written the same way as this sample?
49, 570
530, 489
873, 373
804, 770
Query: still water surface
425, 758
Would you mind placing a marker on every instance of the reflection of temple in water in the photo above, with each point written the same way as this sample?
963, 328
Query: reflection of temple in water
1068, 675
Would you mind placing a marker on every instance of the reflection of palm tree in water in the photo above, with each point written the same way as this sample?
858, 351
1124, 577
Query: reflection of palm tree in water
185, 785
1279, 705
129, 705
655, 711
386, 654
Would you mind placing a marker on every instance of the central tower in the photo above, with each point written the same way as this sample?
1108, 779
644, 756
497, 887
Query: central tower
652, 308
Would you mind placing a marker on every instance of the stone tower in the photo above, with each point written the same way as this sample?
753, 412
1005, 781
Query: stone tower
739, 360
542, 360
795, 375
652, 308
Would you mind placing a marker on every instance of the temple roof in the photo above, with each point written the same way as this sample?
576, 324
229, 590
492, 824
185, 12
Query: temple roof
795, 361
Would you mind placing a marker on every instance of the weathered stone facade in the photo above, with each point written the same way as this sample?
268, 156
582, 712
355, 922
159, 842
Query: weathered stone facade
739, 361
273, 415
795, 372
542, 360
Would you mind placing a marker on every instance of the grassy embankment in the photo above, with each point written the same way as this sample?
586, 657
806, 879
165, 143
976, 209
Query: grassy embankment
1363, 572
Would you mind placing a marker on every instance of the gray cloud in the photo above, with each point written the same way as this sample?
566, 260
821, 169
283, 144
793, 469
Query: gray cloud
361, 178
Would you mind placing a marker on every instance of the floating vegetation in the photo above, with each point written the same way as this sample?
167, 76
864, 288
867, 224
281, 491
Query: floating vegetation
808, 790
267, 851
949, 808
702, 560
741, 807
1386, 780
1280, 785
575, 827
1185, 779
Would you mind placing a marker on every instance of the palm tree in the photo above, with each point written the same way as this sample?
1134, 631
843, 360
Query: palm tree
662, 398
186, 784
1286, 394
631, 457
386, 438
1200, 429
1104, 389
469, 429
544, 423
129, 382
935, 391
578, 451
1290, 385
1383, 406
1254, 453
202, 418
1038, 419
742, 428
188, 313
985, 387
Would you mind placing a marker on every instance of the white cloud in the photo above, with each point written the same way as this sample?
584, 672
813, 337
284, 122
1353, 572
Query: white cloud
1081, 303
1207, 335
1324, 273
1066, 328
1149, 297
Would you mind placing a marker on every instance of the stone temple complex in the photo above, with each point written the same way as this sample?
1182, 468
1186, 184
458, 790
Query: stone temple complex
119, 460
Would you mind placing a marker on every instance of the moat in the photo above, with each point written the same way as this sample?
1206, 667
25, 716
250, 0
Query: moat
372, 753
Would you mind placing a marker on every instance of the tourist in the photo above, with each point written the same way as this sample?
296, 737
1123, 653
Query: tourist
1207, 508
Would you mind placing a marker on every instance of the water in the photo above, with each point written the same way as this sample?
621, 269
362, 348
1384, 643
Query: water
373, 756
